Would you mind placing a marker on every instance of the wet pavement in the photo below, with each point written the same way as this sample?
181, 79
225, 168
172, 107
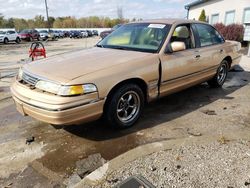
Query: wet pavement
61, 148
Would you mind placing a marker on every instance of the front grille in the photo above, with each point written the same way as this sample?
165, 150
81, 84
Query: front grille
29, 79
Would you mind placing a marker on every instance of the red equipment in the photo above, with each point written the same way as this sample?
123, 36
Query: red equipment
37, 49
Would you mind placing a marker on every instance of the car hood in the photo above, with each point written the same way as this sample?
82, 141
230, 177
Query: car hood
66, 67
2, 35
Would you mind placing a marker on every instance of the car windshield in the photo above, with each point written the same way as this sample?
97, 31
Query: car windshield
143, 37
43, 31
2, 32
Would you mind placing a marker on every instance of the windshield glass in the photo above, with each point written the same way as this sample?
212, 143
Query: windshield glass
43, 31
143, 37
2, 32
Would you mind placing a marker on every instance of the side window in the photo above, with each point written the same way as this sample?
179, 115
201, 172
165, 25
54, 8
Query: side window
208, 35
183, 34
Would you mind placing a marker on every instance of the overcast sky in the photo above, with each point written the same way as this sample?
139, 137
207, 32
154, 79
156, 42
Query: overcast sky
82, 8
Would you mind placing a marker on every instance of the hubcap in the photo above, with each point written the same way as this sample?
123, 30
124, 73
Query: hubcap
222, 74
128, 107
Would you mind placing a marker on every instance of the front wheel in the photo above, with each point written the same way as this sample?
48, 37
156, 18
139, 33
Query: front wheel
221, 75
125, 106
5, 41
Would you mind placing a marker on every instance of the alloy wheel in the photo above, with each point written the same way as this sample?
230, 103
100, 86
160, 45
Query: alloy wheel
128, 106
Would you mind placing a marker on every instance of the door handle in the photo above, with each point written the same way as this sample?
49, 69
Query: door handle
221, 50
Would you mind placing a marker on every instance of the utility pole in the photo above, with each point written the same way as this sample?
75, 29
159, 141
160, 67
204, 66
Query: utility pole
47, 13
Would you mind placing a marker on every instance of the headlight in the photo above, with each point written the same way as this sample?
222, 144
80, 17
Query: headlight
66, 90
48, 86
77, 90
20, 74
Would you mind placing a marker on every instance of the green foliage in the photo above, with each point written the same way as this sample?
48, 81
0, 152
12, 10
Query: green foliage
203, 16
60, 22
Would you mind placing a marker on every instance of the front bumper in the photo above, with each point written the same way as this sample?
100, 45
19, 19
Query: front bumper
56, 110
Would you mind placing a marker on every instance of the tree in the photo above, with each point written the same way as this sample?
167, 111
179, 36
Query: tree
20, 24
203, 16
1, 20
39, 21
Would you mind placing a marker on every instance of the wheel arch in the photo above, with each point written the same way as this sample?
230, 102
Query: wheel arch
229, 60
138, 81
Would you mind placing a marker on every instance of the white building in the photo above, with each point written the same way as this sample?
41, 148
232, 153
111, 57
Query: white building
221, 11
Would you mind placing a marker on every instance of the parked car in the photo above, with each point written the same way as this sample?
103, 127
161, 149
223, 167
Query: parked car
137, 63
84, 33
9, 36
95, 32
66, 33
90, 34
75, 34
51, 35
107, 32
61, 34
44, 34
29, 34
55, 33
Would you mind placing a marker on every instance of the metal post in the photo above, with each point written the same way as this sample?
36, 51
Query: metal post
47, 13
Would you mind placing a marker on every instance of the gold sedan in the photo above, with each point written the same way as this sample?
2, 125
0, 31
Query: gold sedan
136, 64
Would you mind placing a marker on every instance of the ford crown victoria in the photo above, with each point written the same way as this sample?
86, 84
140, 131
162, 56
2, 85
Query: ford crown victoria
137, 63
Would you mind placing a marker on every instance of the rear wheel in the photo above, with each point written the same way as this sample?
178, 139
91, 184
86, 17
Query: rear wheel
125, 106
221, 75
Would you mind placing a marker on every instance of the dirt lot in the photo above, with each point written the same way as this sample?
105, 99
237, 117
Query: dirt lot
52, 157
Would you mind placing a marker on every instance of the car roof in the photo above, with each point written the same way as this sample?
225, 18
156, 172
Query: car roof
169, 21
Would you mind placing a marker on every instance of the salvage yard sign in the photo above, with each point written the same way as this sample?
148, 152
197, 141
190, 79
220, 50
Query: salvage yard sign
247, 36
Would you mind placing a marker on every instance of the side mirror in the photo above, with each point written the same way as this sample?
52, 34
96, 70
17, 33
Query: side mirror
175, 47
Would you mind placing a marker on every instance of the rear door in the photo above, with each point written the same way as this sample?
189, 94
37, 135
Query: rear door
209, 46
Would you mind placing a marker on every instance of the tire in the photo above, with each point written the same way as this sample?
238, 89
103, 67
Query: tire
124, 107
219, 79
30, 39
18, 40
6, 40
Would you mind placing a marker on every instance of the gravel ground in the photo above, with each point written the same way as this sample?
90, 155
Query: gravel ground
210, 165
